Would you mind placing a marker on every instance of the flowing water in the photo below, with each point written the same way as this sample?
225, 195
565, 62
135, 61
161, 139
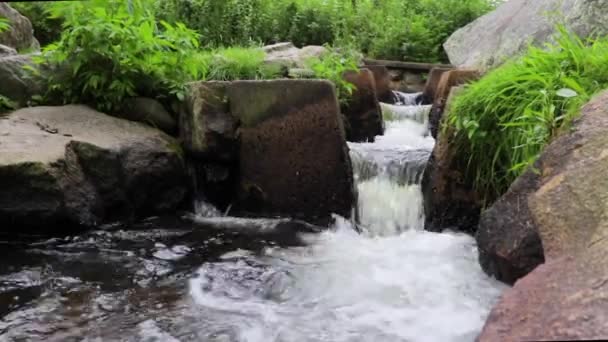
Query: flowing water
180, 280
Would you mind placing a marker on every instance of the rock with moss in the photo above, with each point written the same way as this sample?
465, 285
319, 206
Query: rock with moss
565, 298
71, 167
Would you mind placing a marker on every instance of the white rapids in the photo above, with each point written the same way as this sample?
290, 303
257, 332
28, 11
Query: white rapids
393, 282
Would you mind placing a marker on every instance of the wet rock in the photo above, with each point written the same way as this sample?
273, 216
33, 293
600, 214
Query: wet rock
449, 200
382, 78
507, 31
149, 111
16, 83
447, 81
293, 158
207, 128
72, 167
362, 109
565, 299
508, 241
20, 35
432, 84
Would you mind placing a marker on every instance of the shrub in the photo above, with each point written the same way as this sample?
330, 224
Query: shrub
237, 63
504, 121
332, 66
394, 29
113, 49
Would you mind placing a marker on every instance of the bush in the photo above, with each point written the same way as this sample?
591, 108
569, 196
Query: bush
113, 49
237, 63
332, 66
504, 120
392, 29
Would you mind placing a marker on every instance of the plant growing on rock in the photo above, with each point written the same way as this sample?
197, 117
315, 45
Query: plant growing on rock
503, 121
332, 66
110, 50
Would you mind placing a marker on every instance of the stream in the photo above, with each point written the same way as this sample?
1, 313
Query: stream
176, 279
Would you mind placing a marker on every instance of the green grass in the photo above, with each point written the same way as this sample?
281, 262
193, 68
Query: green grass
503, 122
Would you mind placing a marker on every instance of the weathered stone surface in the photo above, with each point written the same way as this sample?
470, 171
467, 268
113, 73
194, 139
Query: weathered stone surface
363, 111
20, 35
432, 84
293, 158
69, 167
507, 31
449, 200
566, 298
447, 81
16, 85
286, 54
382, 78
149, 111
6, 51
207, 128
508, 241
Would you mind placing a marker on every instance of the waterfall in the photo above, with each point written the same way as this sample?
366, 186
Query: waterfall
391, 282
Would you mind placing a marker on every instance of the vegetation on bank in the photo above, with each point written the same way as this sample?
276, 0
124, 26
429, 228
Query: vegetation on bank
111, 50
504, 121
392, 29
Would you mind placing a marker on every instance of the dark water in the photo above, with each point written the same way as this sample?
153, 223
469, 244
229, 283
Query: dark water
114, 284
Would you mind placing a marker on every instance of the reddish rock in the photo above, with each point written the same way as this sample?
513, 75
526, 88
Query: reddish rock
382, 78
363, 113
566, 298
447, 81
293, 158
432, 83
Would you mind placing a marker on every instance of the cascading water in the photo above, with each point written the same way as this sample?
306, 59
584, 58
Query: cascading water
393, 282
235, 280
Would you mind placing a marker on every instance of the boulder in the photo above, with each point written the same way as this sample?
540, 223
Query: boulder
449, 200
447, 81
382, 78
72, 167
20, 35
293, 157
148, 111
16, 84
432, 84
566, 298
508, 241
6, 51
362, 110
507, 31
207, 128
289, 56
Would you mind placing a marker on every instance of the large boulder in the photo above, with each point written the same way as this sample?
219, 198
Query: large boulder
73, 167
20, 35
508, 241
507, 31
450, 201
362, 109
566, 298
293, 157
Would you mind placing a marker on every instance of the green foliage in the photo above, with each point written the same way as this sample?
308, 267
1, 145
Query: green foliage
236, 63
4, 24
392, 29
47, 28
504, 120
6, 104
113, 49
332, 66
